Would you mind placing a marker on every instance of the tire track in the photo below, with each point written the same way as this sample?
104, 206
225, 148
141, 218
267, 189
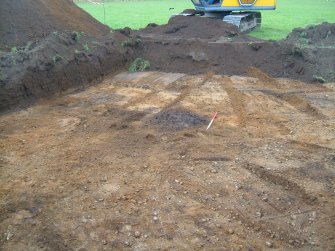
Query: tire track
237, 99
280, 181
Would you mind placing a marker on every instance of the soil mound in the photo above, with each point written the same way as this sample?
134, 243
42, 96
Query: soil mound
48, 46
193, 27
323, 34
24, 21
307, 54
60, 61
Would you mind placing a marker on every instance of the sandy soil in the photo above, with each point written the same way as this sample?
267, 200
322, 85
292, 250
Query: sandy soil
105, 169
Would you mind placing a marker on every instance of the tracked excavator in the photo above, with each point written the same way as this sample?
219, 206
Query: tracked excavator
242, 13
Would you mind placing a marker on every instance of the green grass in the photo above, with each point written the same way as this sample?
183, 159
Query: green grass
291, 14
136, 13
275, 24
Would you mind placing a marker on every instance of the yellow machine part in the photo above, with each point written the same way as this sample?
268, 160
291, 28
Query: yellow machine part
258, 3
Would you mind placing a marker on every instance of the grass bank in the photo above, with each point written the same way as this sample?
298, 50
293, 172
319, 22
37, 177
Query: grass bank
275, 24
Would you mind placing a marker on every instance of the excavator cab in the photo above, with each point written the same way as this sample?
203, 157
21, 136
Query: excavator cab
242, 13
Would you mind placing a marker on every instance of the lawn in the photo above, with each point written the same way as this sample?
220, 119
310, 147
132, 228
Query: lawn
275, 24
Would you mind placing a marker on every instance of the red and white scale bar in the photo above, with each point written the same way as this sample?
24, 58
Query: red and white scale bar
210, 123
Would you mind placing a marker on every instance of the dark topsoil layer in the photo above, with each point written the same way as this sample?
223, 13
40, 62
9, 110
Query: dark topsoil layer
24, 21
192, 27
52, 55
49, 46
193, 45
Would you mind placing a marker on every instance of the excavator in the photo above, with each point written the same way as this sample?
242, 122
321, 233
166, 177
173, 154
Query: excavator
242, 13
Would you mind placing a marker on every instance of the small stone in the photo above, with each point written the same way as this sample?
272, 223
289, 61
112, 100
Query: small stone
155, 218
230, 231
177, 181
103, 179
265, 199
238, 187
269, 244
104, 242
137, 234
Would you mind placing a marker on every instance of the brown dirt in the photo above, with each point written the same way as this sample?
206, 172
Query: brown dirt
105, 169
54, 46
24, 21
187, 45
194, 45
128, 165
58, 63
321, 35
193, 27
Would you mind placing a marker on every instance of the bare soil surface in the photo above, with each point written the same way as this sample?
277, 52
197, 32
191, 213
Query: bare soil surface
193, 45
106, 169
59, 62
24, 21
64, 59
193, 27
126, 164
47, 47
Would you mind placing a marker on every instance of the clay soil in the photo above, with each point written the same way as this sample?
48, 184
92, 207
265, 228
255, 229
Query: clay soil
128, 165
95, 158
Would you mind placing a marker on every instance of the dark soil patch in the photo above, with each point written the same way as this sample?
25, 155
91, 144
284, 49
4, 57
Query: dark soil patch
193, 27
45, 51
24, 21
57, 63
323, 34
49, 46
178, 119
197, 45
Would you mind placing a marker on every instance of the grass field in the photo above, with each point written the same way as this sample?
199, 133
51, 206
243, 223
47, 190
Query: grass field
275, 24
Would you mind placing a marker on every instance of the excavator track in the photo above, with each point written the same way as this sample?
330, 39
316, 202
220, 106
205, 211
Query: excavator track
245, 21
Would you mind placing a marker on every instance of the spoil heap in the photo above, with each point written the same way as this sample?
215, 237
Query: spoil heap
24, 21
